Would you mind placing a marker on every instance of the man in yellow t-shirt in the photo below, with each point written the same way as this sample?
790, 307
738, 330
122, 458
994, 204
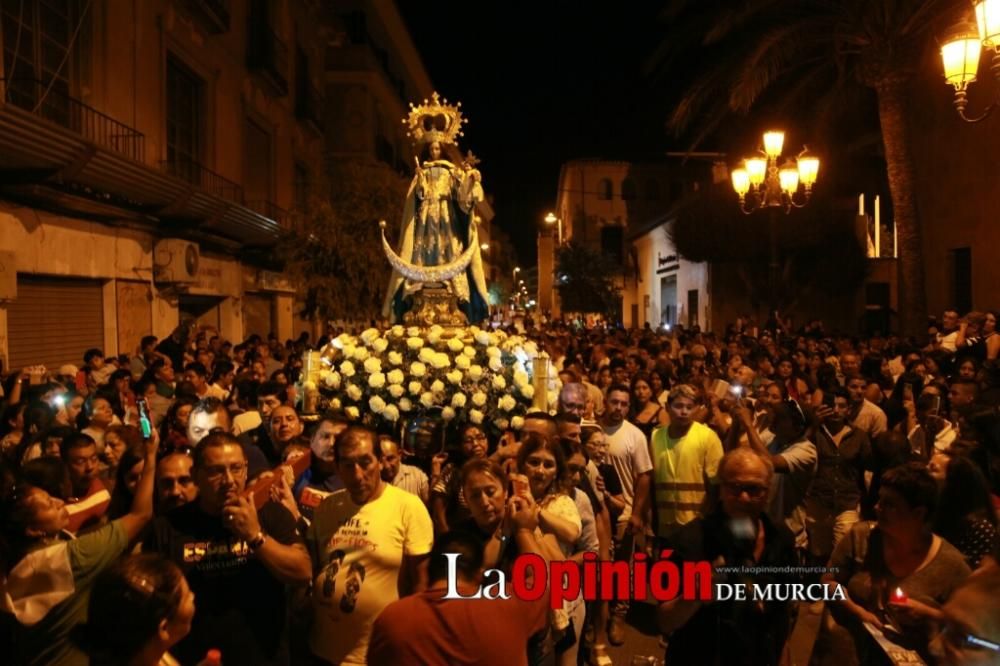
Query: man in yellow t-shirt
686, 457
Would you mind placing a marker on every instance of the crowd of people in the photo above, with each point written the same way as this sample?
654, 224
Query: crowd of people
243, 531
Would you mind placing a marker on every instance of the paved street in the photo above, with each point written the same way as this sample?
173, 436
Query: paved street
642, 640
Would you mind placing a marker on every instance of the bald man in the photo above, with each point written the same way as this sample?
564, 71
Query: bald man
405, 477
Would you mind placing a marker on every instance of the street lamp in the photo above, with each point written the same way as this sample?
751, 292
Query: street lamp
552, 219
762, 184
961, 50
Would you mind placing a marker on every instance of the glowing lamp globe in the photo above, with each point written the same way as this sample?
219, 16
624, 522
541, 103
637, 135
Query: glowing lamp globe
988, 21
789, 178
960, 57
757, 169
808, 169
741, 181
773, 142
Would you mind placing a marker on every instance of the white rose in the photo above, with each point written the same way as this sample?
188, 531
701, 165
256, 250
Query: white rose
528, 391
396, 376
462, 362
362, 354
502, 424
376, 404
396, 391
517, 423
427, 399
494, 352
476, 373
482, 337
347, 369
391, 413
455, 377
325, 374
369, 335
507, 403
553, 397
373, 365
414, 343
458, 400
437, 386
478, 398
433, 336
470, 352
413, 331
426, 355
499, 382
531, 349
415, 388
333, 381
380, 345
441, 361
418, 369
447, 413
455, 345
349, 350
395, 358
335, 403
397, 331
475, 416
377, 380
405, 405
353, 392
352, 413
496, 364
520, 378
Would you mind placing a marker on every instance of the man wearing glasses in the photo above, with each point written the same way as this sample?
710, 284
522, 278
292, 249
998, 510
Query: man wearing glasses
238, 561
380, 534
737, 533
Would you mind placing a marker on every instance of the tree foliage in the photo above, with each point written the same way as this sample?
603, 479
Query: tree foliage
586, 281
335, 249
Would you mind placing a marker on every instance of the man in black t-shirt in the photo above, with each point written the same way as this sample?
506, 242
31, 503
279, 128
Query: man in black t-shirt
237, 561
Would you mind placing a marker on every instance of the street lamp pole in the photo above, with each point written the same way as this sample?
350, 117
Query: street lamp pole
760, 183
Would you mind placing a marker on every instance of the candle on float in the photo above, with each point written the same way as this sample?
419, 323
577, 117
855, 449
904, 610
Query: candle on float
898, 596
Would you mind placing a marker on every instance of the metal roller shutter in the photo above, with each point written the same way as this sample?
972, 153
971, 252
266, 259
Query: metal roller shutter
53, 321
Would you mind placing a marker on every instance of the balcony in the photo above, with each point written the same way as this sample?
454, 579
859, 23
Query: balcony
267, 55
205, 178
270, 210
50, 103
212, 15
309, 105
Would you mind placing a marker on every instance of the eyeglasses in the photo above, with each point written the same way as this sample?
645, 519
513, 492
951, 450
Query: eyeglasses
216, 472
752, 491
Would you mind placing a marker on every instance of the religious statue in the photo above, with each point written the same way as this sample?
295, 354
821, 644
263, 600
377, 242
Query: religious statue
439, 251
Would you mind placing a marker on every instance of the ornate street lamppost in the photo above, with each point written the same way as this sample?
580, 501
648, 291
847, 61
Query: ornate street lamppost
762, 184
962, 49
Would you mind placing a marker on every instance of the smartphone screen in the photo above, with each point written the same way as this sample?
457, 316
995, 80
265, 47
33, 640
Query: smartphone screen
144, 424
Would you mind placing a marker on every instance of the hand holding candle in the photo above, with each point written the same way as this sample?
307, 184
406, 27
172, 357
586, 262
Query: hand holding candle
898, 597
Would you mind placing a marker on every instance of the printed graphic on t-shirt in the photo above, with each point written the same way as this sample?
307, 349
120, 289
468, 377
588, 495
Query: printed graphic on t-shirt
216, 556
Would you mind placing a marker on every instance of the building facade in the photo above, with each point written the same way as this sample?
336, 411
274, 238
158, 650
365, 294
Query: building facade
153, 150
621, 209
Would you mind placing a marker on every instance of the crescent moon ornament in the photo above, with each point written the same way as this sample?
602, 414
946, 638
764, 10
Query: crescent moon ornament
439, 273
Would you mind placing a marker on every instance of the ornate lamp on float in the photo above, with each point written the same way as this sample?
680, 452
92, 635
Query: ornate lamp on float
962, 49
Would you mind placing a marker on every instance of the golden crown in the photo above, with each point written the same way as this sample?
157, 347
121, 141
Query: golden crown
435, 120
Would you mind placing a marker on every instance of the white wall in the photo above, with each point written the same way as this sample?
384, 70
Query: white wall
650, 247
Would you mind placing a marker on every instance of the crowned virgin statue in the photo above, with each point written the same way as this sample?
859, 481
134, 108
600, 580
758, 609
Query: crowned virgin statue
439, 244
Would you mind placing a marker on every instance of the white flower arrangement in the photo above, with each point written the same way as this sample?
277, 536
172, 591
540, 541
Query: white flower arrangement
469, 375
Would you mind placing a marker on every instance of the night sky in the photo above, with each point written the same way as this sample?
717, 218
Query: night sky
542, 83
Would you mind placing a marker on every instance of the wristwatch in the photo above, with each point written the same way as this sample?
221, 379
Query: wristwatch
257, 541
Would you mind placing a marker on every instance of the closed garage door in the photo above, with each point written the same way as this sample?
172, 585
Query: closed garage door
53, 321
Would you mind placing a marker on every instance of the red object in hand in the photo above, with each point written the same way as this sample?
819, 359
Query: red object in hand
898, 597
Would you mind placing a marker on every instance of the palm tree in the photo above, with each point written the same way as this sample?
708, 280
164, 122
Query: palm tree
818, 57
